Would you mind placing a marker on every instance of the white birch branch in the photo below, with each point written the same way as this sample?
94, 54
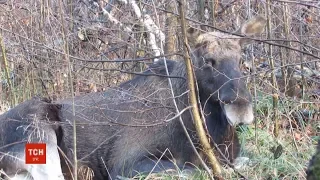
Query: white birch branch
146, 21
107, 13
115, 21
153, 30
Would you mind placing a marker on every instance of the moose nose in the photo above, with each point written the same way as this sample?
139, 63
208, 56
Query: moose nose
235, 95
231, 91
233, 88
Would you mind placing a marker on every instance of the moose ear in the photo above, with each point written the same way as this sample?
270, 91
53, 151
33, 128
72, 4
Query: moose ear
251, 28
192, 35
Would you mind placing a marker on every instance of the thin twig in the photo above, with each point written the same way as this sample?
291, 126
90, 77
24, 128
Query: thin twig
66, 49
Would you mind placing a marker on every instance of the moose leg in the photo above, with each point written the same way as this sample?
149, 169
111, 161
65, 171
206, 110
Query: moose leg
50, 170
15, 167
146, 166
22, 176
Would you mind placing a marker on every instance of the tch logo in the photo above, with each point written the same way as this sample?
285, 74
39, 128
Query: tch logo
35, 153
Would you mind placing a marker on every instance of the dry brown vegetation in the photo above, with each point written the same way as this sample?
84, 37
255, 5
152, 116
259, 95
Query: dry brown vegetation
63, 48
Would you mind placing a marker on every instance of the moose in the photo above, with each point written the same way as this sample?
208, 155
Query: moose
313, 171
134, 128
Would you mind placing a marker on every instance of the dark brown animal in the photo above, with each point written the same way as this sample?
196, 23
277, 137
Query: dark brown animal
313, 171
33, 121
129, 129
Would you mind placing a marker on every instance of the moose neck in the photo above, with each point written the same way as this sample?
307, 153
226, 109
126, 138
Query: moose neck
216, 121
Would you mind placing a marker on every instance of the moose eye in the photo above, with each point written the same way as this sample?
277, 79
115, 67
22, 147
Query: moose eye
211, 62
